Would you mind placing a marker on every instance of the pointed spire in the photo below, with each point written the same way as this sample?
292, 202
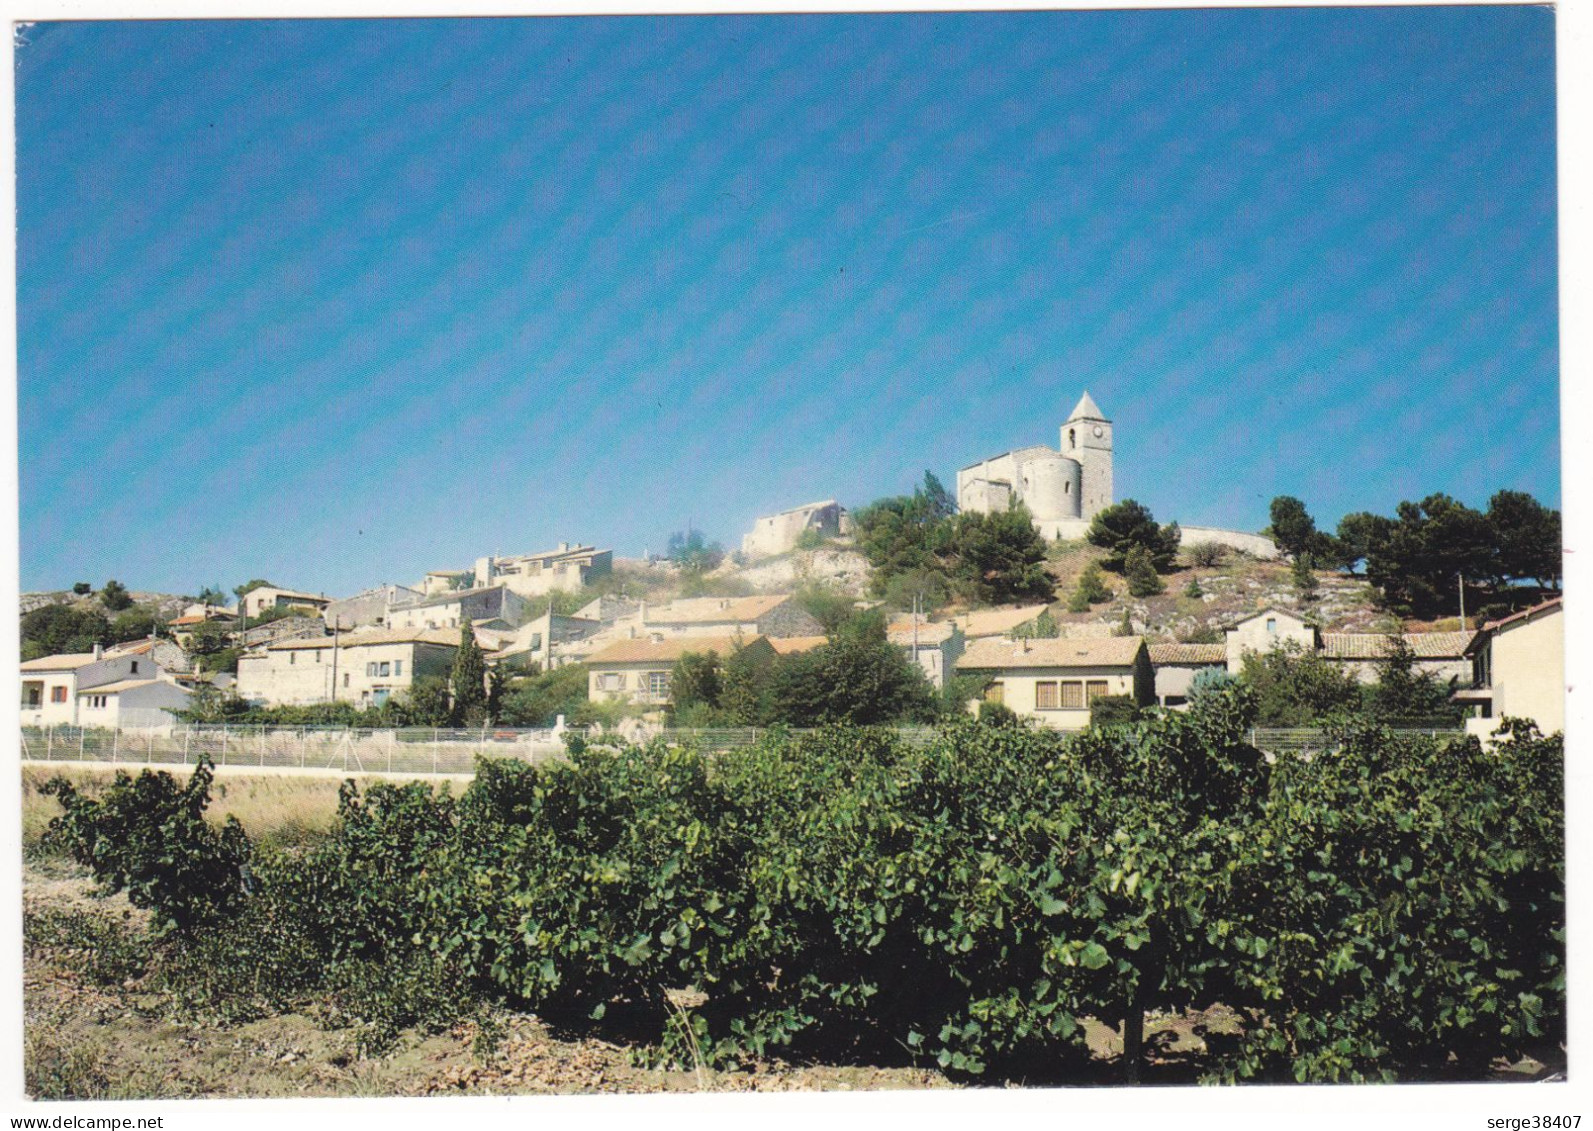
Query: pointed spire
1086, 409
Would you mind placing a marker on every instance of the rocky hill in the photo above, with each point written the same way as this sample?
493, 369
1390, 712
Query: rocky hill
169, 604
1237, 586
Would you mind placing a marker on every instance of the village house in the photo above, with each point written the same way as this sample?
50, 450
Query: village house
1056, 680
1177, 665
1441, 655
364, 668
131, 704
182, 628
284, 628
984, 623
775, 614
1518, 670
543, 642
460, 607
257, 601
568, 568
935, 646
168, 655
639, 671
368, 607
442, 580
75, 688
778, 533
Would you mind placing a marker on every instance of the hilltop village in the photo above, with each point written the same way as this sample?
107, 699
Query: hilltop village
623, 626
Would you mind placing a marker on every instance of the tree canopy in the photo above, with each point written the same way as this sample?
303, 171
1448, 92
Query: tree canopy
1119, 528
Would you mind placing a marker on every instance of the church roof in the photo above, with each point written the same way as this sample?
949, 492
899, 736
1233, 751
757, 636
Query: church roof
1086, 409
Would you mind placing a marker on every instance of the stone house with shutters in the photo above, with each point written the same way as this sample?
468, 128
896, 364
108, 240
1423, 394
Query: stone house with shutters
639, 671
460, 607
365, 669
772, 615
1056, 680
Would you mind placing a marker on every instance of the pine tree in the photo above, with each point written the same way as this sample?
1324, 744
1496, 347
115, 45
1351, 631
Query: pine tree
1304, 577
1125, 627
1089, 590
1193, 589
1141, 573
468, 681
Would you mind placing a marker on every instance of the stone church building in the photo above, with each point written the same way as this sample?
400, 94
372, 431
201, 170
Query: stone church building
1063, 489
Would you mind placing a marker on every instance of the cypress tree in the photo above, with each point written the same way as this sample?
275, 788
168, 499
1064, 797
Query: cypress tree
469, 680
1141, 573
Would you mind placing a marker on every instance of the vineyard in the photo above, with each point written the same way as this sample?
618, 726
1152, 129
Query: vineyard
973, 900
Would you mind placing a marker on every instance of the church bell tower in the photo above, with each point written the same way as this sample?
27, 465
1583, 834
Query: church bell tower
1087, 438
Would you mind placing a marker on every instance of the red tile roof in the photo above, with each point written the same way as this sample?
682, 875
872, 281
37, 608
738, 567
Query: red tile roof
993, 653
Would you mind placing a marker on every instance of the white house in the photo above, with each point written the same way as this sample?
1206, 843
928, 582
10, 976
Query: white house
1518, 670
1056, 680
52, 687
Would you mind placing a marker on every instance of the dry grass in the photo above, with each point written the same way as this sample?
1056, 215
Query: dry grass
282, 809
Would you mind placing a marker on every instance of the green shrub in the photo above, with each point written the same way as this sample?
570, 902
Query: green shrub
148, 836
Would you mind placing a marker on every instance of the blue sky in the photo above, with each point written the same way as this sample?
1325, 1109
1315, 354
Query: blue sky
338, 302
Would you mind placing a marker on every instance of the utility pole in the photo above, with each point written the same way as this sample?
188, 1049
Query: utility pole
337, 625
1461, 580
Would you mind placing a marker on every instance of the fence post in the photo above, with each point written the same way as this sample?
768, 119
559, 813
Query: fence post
223, 745
82, 734
49, 743
187, 734
116, 742
434, 757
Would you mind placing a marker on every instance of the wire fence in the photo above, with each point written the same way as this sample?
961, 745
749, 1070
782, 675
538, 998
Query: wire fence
415, 750
440, 750
408, 750
1317, 740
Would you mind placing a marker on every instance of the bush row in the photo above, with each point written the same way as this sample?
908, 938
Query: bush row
1392, 910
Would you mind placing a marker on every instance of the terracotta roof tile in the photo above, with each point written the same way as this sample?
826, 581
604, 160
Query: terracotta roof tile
993, 653
669, 649
715, 610
1188, 654
1374, 645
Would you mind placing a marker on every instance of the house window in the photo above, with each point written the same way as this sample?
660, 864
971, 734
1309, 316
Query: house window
318, 655
134, 669
1094, 689
658, 683
384, 669
345, 679
1045, 695
996, 693
293, 658
370, 670
398, 667
97, 701
1072, 695
611, 681
58, 694
1272, 624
